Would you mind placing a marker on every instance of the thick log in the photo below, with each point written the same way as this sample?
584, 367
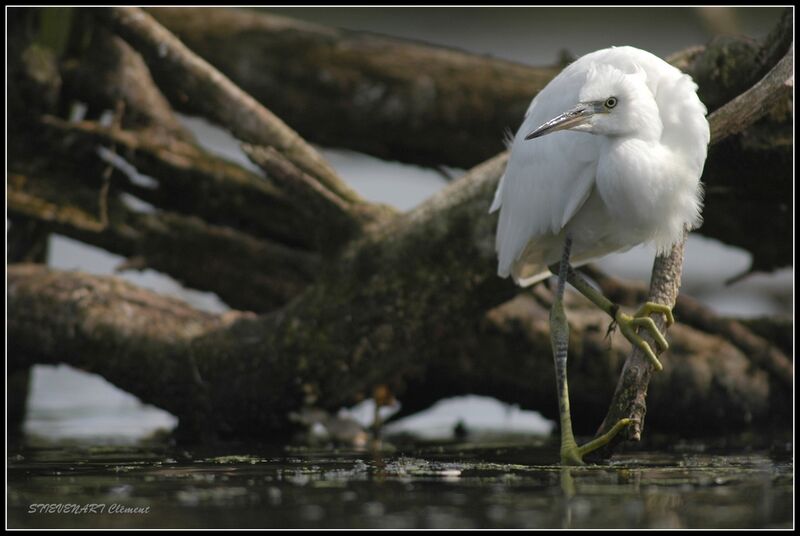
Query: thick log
238, 375
708, 385
143, 337
317, 77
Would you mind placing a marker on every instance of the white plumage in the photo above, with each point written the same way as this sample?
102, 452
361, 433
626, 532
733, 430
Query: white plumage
627, 174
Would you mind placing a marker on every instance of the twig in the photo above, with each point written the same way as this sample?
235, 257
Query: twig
116, 124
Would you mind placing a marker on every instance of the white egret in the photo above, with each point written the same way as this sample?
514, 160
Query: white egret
609, 156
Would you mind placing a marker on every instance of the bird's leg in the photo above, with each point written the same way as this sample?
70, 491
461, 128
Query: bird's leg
559, 340
571, 453
628, 324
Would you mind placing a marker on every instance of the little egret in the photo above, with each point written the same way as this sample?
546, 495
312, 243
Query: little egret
609, 156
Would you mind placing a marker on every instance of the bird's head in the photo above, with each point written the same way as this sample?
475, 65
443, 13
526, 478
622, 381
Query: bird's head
610, 103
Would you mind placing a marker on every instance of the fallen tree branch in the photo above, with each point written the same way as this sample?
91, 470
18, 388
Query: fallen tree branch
200, 255
195, 86
730, 65
143, 337
400, 296
337, 221
710, 386
481, 96
259, 216
238, 375
187, 180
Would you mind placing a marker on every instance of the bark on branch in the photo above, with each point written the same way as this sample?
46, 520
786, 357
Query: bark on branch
111, 72
757, 101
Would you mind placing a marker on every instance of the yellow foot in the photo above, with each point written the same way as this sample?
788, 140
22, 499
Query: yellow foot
573, 454
629, 325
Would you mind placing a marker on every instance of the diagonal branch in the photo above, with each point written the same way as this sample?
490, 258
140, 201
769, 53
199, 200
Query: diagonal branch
757, 101
109, 72
194, 85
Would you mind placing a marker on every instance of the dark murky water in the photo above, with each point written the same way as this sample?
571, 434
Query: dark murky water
503, 485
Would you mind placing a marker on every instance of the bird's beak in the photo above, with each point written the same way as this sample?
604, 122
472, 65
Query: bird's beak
572, 118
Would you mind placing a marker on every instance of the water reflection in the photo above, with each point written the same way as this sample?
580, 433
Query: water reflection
568, 488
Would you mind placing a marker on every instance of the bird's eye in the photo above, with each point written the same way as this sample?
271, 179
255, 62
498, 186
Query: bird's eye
611, 102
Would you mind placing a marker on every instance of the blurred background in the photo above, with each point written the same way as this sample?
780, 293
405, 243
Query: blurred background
66, 405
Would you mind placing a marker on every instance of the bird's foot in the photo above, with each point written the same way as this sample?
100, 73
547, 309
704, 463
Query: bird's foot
629, 325
572, 454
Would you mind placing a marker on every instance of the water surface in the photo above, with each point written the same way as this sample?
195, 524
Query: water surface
501, 484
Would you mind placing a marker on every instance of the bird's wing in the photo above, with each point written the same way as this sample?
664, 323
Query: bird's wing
547, 179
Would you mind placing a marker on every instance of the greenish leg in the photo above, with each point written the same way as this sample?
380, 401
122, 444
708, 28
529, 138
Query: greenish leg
571, 453
559, 341
604, 439
628, 324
